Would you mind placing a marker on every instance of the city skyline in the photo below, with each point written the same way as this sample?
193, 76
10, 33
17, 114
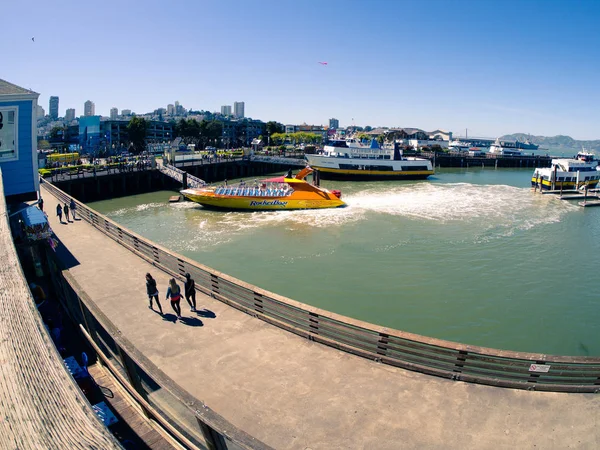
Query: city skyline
492, 67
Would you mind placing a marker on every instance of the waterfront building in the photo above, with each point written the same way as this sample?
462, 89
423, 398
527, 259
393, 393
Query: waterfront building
238, 109
114, 113
18, 142
113, 135
89, 108
70, 114
334, 123
226, 110
126, 112
53, 111
289, 129
312, 129
89, 134
40, 112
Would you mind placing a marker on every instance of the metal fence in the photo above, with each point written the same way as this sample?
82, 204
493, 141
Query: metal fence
183, 177
531, 371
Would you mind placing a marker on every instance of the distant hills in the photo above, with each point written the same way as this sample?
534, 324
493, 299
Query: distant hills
556, 143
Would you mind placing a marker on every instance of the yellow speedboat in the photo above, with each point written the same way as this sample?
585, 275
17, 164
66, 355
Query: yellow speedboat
281, 193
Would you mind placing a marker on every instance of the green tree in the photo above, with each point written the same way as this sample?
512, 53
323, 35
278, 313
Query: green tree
278, 138
43, 144
274, 127
137, 129
57, 133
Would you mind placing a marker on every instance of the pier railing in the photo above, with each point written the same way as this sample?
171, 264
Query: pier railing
520, 370
186, 179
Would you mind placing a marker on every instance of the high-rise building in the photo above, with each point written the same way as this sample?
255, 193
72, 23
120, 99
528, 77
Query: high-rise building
170, 109
334, 123
53, 107
238, 109
89, 108
70, 114
226, 110
40, 112
114, 112
179, 110
125, 112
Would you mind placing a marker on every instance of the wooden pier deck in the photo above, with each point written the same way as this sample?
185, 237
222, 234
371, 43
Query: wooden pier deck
590, 203
41, 406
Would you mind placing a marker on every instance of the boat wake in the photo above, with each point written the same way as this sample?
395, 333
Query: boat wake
481, 212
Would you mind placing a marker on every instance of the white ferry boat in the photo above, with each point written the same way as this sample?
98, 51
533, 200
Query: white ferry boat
349, 159
567, 174
505, 148
459, 146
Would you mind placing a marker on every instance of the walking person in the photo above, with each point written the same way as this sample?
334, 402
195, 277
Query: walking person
59, 212
190, 291
73, 208
152, 291
41, 204
174, 293
66, 211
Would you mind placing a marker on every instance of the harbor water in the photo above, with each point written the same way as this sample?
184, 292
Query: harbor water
470, 255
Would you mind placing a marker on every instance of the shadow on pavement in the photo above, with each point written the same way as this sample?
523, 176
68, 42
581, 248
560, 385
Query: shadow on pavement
66, 257
169, 317
191, 321
207, 313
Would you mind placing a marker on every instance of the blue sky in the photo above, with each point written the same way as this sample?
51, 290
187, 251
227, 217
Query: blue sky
493, 67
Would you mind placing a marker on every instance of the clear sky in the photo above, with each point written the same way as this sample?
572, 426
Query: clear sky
493, 67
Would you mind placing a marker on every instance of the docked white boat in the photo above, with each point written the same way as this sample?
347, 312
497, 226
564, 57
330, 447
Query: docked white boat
351, 160
459, 146
505, 148
567, 174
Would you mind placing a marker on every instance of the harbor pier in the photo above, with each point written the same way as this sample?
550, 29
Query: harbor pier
286, 375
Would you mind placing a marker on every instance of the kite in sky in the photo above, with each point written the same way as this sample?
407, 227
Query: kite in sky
33, 39
323, 63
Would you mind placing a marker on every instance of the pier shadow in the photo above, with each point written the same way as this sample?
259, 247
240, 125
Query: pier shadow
66, 258
207, 313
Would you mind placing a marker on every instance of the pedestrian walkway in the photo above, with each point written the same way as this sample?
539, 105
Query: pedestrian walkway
289, 392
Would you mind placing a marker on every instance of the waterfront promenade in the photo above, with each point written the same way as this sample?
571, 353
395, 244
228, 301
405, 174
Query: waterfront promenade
290, 392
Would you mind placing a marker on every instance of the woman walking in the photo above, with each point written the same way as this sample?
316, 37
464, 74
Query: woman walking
190, 291
59, 212
174, 292
152, 292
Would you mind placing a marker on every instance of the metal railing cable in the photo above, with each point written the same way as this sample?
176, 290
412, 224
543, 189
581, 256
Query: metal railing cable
521, 370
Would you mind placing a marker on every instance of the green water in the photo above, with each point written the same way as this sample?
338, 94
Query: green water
469, 255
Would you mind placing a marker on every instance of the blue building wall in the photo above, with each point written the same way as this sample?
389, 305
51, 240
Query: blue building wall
20, 177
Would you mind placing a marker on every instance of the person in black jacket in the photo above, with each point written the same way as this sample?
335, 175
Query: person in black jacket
190, 291
152, 291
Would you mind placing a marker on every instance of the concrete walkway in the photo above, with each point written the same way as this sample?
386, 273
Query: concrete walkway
295, 394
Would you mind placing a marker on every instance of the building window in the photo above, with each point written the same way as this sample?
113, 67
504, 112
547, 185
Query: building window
9, 148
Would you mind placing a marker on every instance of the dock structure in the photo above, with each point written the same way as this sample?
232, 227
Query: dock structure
186, 179
41, 406
294, 376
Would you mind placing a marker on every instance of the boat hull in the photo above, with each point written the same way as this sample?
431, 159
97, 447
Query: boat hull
262, 203
327, 173
565, 185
